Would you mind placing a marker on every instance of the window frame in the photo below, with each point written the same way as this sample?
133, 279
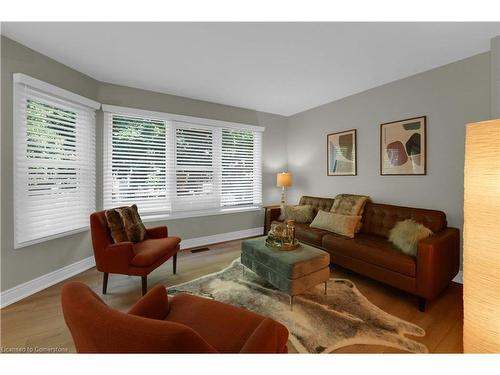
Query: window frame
20, 82
172, 121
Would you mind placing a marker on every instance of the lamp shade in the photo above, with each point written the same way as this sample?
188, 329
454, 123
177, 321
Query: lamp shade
482, 238
283, 179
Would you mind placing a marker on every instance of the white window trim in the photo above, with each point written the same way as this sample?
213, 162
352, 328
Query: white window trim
179, 118
20, 78
173, 118
54, 90
201, 213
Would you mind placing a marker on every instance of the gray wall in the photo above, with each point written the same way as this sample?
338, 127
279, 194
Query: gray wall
21, 265
495, 77
450, 96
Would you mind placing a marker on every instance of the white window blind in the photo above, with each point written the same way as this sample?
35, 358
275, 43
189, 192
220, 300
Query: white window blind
135, 164
241, 169
197, 176
54, 161
165, 164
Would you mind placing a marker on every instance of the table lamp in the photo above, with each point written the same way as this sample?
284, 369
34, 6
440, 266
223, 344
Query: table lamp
283, 180
482, 238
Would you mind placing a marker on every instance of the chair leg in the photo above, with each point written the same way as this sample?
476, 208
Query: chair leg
144, 280
104, 282
175, 263
421, 304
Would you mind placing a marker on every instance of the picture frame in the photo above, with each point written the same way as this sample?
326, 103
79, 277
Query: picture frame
403, 147
341, 156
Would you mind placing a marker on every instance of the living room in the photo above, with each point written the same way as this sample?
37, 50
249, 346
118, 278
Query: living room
250, 187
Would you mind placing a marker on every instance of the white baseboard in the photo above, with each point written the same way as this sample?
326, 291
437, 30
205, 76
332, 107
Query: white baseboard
28, 288
222, 237
460, 277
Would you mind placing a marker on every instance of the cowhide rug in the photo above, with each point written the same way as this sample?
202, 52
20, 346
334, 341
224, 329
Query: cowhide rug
318, 323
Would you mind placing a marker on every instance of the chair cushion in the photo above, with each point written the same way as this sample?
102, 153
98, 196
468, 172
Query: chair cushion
228, 327
149, 251
371, 249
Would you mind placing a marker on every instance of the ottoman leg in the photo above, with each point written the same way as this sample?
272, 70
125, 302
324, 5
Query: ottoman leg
326, 287
291, 303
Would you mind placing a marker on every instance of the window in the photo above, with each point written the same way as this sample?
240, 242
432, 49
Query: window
54, 166
169, 163
135, 163
241, 171
196, 172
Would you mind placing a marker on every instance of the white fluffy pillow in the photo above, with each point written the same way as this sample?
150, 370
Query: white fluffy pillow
406, 234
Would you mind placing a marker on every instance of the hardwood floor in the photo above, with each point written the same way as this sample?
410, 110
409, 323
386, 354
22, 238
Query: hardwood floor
37, 321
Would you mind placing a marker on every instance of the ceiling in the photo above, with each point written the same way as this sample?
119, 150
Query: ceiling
281, 68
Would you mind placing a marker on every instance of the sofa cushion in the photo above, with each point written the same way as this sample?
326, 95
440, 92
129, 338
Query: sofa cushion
311, 236
149, 251
324, 204
379, 219
371, 249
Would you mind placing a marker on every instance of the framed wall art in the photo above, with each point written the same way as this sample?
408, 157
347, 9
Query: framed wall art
342, 153
403, 147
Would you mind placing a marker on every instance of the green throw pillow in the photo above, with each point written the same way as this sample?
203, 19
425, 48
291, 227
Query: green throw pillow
300, 214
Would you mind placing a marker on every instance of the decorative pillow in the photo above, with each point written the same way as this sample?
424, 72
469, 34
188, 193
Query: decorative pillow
406, 234
350, 204
134, 228
344, 225
115, 225
300, 214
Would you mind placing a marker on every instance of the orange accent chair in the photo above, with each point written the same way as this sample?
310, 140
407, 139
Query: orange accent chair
127, 258
161, 324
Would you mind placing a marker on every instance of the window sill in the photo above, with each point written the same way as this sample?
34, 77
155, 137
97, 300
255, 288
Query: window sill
51, 237
191, 214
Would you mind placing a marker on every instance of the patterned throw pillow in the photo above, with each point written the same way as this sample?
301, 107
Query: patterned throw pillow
344, 225
406, 234
115, 225
134, 228
300, 214
350, 204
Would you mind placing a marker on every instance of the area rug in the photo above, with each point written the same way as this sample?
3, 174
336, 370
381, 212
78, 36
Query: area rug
318, 323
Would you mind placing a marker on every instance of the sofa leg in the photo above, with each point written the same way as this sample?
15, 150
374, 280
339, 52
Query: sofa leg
144, 280
105, 276
421, 304
175, 263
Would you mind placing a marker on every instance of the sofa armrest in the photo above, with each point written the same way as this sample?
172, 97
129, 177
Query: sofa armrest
272, 214
117, 257
268, 337
157, 232
438, 262
154, 304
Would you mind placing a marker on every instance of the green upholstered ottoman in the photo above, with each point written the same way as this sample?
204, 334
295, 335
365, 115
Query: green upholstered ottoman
293, 271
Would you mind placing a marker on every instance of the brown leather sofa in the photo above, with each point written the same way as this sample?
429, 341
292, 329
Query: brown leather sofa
371, 254
158, 323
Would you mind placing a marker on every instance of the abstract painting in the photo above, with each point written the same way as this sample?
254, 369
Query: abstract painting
403, 147
341, 153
